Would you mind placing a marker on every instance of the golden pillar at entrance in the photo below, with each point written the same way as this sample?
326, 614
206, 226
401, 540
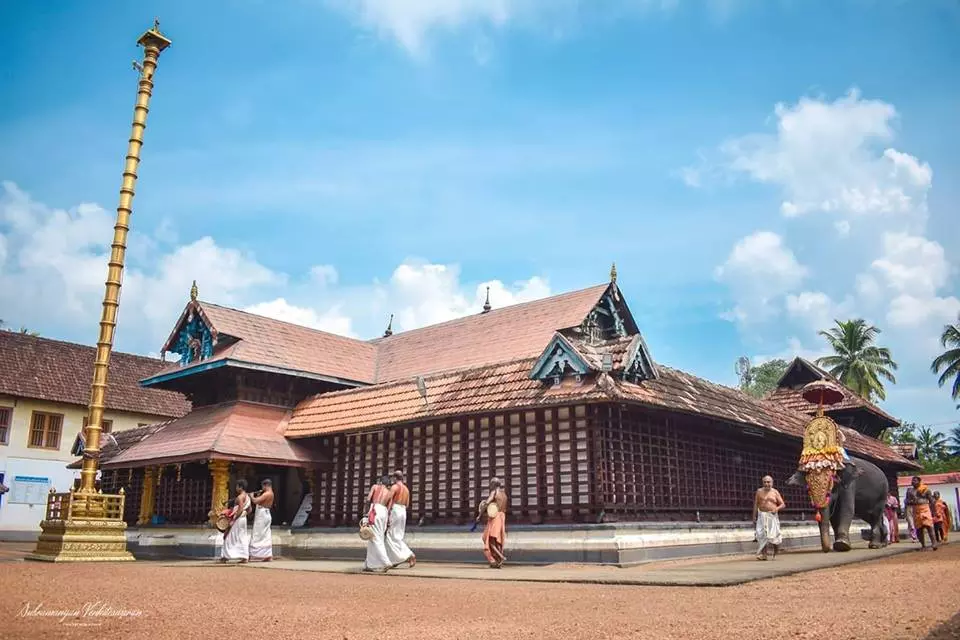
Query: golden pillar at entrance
87, 525
220, 491
148, 497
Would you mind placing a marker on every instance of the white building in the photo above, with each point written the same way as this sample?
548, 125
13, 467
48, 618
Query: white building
44, 392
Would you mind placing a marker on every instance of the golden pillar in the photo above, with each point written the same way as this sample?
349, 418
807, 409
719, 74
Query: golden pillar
220, 487
86, 525
148, 497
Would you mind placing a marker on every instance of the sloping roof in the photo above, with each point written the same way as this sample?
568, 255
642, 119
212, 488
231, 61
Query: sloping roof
500, 335
56, 371
509, 333
930, 479
793, 398
233, 431
124, 440
507, 386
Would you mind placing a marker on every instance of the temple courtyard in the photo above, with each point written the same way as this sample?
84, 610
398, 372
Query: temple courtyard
893, 593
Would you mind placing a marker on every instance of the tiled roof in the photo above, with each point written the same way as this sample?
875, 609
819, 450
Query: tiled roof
508, 386
952, 477
500, 335
234, 431
793, 398
124, 439
45, 369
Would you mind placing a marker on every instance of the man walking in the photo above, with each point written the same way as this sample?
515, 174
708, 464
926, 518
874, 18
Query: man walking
261, 540
767, 504
379, 498
397, 549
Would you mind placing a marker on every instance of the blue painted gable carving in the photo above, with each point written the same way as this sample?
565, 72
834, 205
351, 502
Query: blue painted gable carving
638, 365
558, 359
194, 341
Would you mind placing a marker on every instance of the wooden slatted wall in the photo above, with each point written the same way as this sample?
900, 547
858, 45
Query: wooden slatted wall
543, 456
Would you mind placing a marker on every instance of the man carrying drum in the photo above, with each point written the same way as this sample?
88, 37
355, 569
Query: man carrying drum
495, 531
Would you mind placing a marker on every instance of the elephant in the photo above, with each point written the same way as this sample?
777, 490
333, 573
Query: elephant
860, 490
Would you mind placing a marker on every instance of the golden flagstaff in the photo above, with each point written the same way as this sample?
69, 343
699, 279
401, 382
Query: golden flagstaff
86, 525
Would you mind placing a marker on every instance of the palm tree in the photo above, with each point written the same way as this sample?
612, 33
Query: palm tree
953, 442
949, 360
858, 363
931, 445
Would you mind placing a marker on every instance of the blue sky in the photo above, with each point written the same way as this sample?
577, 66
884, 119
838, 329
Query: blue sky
755, 169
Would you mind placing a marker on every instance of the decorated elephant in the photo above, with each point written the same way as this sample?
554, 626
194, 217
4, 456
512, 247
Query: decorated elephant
857, 490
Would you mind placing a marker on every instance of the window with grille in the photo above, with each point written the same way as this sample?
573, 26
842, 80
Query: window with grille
6, 417
45, 429
106, 426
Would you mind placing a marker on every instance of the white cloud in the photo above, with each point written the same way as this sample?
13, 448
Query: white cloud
53, 263
759, 271
914, 270
795, 348
332, 321
831, 157
324, 275
412, 22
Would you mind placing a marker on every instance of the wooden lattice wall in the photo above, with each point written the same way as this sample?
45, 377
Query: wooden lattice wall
131, 480
543, 456
185, 500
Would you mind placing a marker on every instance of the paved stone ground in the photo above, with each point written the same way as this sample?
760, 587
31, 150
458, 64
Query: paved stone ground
706, 572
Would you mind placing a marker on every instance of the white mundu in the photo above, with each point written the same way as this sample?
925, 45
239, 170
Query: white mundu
261, 541
236, 541
397, 550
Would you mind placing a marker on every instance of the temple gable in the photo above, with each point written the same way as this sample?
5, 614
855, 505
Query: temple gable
557, 360
608, 320
193, 337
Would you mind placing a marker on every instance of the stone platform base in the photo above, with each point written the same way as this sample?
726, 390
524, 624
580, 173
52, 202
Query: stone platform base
82, 541
603, 544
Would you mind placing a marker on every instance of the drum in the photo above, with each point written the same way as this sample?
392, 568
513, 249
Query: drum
492, 510
222, 524
366, 532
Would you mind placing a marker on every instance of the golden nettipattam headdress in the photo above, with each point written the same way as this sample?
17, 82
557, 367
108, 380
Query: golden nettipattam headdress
821, 457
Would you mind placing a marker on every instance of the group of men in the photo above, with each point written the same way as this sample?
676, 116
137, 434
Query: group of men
927, 514
389, 499
238, 542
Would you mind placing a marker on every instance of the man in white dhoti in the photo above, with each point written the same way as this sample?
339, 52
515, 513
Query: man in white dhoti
379, 498
767, 504
261, 540
397, 550
236, 541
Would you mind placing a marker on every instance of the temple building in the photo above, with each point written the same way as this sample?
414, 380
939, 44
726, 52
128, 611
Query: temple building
560, 397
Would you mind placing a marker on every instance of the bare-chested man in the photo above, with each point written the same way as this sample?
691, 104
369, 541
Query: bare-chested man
261, 540
379, 499
397, 549
767, 504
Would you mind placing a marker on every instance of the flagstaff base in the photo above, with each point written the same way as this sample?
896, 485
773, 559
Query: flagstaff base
83, 528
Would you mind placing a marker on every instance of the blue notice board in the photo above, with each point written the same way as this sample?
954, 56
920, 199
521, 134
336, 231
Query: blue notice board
29, 489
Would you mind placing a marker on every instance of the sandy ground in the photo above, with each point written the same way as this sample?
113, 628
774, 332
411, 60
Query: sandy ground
905, 596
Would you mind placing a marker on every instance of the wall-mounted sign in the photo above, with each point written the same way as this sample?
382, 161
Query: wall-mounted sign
29, 489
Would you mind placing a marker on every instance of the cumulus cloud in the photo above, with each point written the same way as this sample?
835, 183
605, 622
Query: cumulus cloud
759, 271
53, 265
833, 157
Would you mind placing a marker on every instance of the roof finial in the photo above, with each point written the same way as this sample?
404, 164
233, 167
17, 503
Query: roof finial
613, 273
389, 331
486, 305
194, 292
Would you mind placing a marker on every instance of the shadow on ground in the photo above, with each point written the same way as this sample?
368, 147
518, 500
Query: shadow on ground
946, 631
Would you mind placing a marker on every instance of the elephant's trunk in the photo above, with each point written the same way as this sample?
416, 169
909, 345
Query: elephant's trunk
823, 520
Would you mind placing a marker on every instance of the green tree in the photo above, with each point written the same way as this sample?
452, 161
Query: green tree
760, 380
931, 445
903, 433
858, 362
949, 360
953, 441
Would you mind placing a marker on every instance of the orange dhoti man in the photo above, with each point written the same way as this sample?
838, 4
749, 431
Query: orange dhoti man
495, 531
943, 515
922, 515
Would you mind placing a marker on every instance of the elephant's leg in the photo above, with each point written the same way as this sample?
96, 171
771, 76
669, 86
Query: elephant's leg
877, 529
825, 529
843, 516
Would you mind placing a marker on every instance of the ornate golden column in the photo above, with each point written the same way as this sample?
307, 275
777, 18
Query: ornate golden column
220, 491
148, 496
87, 525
